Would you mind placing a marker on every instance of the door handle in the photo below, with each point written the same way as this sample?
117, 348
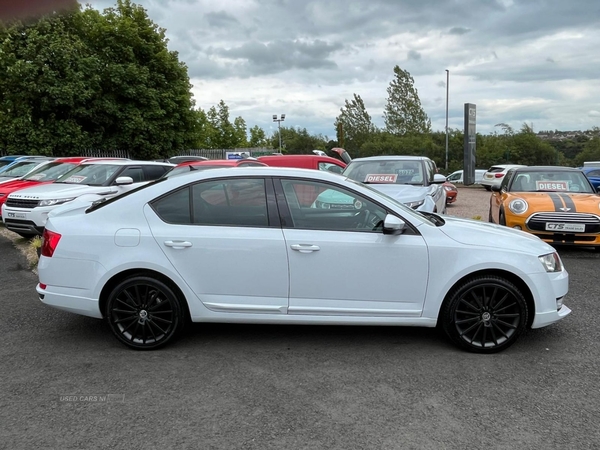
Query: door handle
178, 244
305, 248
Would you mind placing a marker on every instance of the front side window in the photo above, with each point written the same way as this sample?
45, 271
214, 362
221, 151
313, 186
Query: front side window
321, 206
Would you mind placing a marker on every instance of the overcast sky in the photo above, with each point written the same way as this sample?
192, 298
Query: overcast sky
533, 61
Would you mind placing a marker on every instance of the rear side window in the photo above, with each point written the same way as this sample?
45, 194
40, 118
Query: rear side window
235, 202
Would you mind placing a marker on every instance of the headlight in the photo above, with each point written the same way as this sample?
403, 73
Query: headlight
518, 206
55, 201
415, 205
449, 188
551, 262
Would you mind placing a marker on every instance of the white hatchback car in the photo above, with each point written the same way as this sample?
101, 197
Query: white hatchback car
495, 174
248, 246
25, 211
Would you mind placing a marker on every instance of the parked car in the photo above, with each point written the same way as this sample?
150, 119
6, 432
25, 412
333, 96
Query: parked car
25, 212
593, 174
315, 162
186, 167
451, 192
457, 176
198, 246
22, 167
495, 174
412, 180
44, 174
7, 160
557, 204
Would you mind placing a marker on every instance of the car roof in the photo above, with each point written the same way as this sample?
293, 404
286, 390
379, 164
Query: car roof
281, 157
219, 162
546, 169
258, 171
127, 162
392, 157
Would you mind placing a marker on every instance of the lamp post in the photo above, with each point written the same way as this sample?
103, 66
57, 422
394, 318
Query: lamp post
447, 89
275, 119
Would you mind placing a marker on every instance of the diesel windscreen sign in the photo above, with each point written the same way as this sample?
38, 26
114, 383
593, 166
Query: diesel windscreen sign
469, 144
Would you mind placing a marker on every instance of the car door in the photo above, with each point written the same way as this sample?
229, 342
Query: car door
341, 263
226, 242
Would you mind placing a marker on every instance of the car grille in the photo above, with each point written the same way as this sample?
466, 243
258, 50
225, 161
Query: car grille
537, 222
21, 203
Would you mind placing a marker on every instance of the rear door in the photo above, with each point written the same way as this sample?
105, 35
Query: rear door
225, 240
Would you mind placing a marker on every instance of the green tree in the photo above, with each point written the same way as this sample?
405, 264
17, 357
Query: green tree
590, 152
403, 112
354, 126
89, 79
258, 138
298, 141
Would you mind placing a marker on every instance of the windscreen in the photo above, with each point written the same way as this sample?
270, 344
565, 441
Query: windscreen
50, 171
551, 181
19, 169
386, 172
90, 174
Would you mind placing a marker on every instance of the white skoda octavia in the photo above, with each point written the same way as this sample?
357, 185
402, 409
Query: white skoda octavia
249, 246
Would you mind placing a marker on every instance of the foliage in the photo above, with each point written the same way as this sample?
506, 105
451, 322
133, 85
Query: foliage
403, 112
297, 141
93, 80
354, 126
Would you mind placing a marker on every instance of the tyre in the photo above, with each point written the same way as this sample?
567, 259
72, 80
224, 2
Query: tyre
488, 188
490, 216
144, 313
501, 218
485, 314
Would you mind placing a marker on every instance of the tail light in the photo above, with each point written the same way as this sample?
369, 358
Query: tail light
49, 242
499, 175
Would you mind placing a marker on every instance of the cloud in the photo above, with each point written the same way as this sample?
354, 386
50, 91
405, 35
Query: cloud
517, 60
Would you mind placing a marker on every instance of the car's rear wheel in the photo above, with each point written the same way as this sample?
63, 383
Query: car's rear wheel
144, 313
487, 188
485, 314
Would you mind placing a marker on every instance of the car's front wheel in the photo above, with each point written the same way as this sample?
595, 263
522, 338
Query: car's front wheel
485, 314
144, 313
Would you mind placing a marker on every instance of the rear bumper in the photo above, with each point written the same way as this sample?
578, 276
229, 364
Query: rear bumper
70, 300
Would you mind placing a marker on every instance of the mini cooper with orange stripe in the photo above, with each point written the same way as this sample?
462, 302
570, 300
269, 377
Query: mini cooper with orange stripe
557, 204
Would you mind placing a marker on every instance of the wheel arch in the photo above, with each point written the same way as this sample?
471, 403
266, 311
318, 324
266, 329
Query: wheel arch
119, 277
513, 278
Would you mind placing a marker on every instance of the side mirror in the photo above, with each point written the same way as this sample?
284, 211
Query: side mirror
393, 225
496, 188
438, 178
123, 180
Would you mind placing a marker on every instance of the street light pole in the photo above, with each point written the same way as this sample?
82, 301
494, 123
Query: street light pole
447, 90
275, 119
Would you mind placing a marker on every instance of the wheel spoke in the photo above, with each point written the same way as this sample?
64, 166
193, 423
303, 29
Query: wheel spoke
124, 311
493, 333
462, 300
469, 320
160, 319
164, 303
133, 300
159, 328
495, 325
508, 315
126, 304
134, 334
124, 319
467, 312
506, 324
469, 329
476, 332
505, 307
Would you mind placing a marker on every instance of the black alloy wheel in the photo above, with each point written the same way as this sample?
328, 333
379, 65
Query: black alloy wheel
144, 313
486, 314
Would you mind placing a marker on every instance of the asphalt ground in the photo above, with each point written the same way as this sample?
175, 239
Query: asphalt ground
65, 381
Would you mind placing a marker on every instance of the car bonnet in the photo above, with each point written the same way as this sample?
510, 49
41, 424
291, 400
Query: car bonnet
52, 190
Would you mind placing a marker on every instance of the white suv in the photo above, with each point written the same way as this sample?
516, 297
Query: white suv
26, 211
495, 175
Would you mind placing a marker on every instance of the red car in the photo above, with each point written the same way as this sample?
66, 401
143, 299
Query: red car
45, 174
451, 192
188, 166
316, 162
